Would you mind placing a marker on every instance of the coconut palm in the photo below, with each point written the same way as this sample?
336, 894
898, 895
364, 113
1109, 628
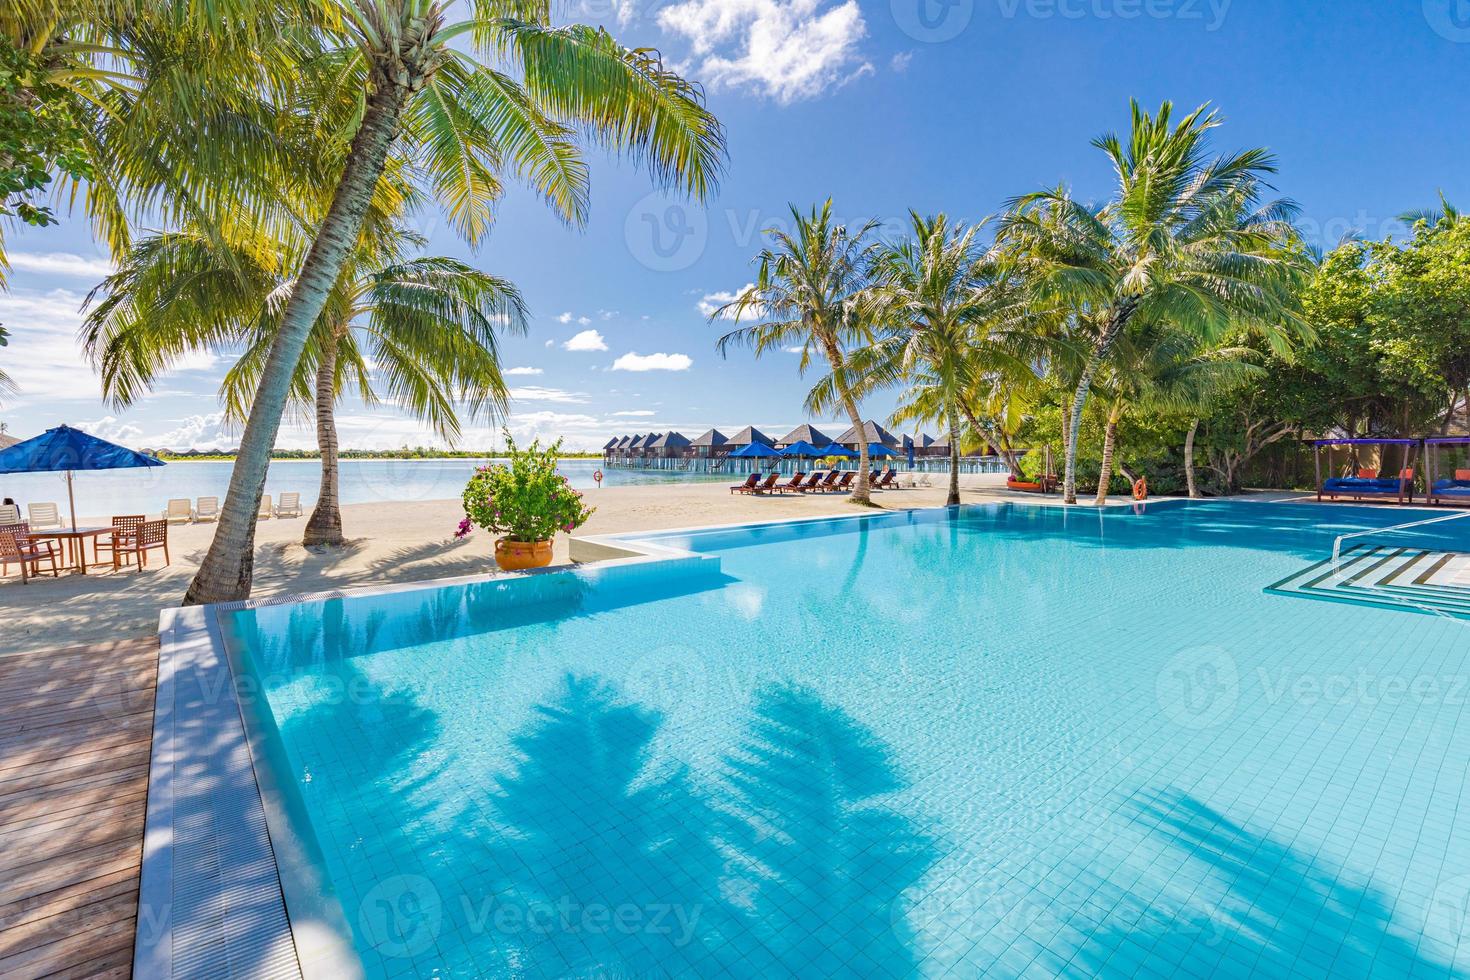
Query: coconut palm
420, 93
811, 293
1164, 370
422, 331
1185, 239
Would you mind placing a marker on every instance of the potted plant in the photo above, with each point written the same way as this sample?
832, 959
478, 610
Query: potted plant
526, 501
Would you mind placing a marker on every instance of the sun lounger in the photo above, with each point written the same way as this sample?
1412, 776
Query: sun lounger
207, 509
1454, 491
793, 485
179, 511
748, 486
9, 514
814, 482
846, 482
43, 516
886, 481
265, 508
289, 505
768, 485
1357, 487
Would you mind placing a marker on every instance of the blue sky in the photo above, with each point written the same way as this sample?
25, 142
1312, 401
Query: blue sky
952, 105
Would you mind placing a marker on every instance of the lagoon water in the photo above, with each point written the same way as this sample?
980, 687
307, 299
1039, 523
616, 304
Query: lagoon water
107, 492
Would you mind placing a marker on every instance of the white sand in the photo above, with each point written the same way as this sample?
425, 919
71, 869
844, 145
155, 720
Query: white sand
388, 542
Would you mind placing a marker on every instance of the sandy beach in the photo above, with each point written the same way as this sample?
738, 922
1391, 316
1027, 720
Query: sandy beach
387, 542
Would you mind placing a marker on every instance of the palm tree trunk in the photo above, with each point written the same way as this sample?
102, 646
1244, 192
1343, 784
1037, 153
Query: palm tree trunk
1116, 322
1110, 442
228, 567
325, 525
954, 458
860, 489
1189, 460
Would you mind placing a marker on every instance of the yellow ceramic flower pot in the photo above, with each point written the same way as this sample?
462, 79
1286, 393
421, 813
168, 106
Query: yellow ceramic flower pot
515, 556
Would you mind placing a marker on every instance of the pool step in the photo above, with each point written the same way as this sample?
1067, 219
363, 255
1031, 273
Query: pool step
1434, 582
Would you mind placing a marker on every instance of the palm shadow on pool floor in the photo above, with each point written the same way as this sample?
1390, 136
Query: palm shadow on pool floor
799, 869
1260, 907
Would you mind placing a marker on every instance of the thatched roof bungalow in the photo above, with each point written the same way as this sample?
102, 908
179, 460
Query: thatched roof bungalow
872, 432
748, 435
711, 443
804, 433
669, 445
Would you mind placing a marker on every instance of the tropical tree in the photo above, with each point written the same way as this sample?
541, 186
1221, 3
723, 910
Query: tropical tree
811, 292
463, 122
939, 319
420, 332
1162, 370
1186, 239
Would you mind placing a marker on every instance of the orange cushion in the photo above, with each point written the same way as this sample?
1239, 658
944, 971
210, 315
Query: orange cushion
1367, 473
1462, 474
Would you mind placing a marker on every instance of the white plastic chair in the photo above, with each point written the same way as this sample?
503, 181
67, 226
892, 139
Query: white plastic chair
207, 509
9, 514
289, 506
179, 511
43, 516
265, 508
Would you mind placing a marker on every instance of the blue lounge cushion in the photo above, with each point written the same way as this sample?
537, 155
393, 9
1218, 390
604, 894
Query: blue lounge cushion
1359, 484
1457, 488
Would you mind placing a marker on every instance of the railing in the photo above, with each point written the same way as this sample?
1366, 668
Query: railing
1337, 544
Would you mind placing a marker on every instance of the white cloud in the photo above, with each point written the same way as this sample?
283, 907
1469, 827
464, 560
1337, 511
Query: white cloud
900, 62
653, 362
564, 318
606, 314
587, 340
551, 343
535, 393
113, 430
784, 49
197, 432
639, 414
711, 303
61, 264
517, 371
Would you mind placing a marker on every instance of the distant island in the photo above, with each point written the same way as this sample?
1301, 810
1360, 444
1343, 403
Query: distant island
403, 452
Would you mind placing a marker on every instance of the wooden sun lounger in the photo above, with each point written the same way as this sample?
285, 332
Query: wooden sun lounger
768, 485
748, 486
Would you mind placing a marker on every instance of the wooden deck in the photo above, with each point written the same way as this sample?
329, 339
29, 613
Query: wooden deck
74, 750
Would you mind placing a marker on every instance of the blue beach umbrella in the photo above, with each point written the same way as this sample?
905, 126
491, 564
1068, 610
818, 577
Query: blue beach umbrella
804, 450
756, 450
879, 451
67, 450
837, 450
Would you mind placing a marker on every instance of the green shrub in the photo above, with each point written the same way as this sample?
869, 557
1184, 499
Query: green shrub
525, 499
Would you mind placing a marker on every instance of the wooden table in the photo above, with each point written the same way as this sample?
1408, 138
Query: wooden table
74, 543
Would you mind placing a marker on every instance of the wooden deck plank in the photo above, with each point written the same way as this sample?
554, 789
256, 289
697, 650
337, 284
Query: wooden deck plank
73, 792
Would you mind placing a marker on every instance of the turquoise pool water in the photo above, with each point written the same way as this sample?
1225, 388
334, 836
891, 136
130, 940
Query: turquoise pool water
993, 741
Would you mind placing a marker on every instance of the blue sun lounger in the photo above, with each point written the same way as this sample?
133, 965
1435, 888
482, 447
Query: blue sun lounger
1451, 491
1400, 487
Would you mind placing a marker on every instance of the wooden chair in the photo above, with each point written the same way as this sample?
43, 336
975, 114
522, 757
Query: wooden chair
150, 536
43, 516
124, 529
289, 505
17, 547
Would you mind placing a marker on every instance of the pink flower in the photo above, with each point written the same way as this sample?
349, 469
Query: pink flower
464, 528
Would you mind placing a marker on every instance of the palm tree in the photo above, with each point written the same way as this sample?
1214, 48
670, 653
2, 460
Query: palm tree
1185, 239
422, 329
1165, 370
938, 324
811, 293
463, 123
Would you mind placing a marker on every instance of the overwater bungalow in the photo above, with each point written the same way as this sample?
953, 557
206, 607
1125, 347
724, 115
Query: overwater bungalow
670, 445
709, 445
804, 433
748, 435
872, 432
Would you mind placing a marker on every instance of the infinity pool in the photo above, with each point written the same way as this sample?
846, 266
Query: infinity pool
997, 740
